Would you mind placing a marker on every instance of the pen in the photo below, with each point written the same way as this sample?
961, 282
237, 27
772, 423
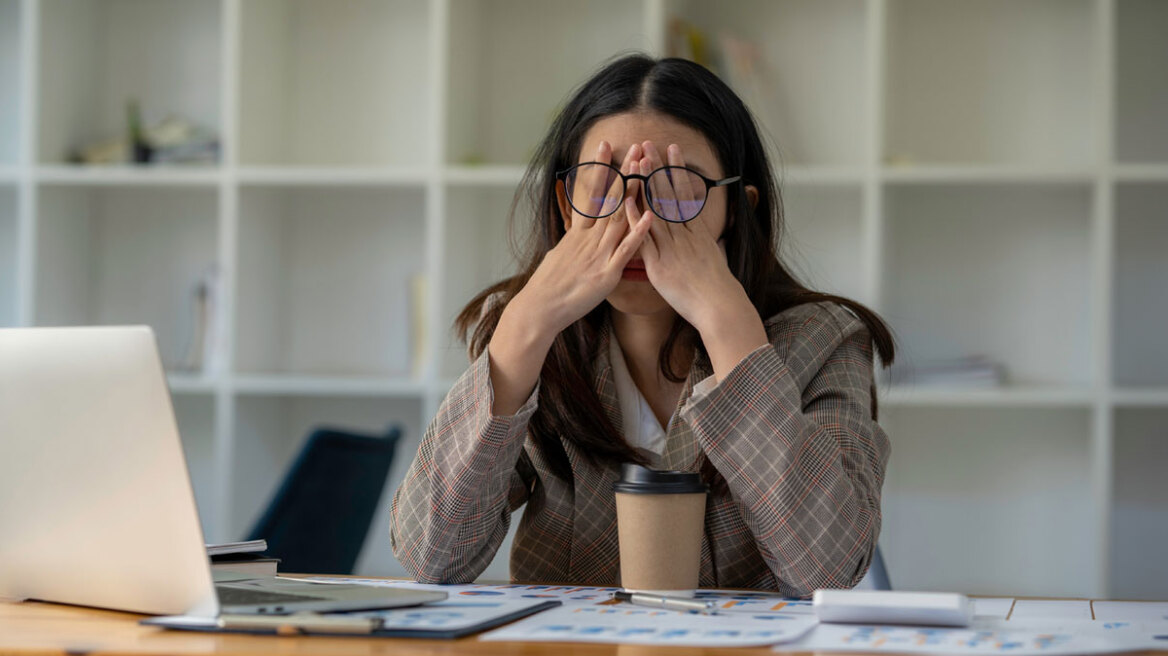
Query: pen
668, 603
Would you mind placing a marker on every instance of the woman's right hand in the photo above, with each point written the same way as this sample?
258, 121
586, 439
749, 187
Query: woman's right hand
573, 278
586, 265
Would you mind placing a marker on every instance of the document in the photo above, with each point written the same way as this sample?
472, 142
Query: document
992, 606
590, 614
1031, 609
1131, 611
739, 601
624, 623
910, 640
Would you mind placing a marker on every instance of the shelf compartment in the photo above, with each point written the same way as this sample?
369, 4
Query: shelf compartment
986, 174
1141, 396
1022, 488
325, 280
10, 82
823, 244
1141, 88
1140, 310
1024, 396
799, 66
335, 83
271, 430
96, 56
334, 176
327, 386
502, 175
1139, 514
9, 257
962, 258
508, 50
993, 82
129, 175
478, 256
119, 256
1141, 173
195, 415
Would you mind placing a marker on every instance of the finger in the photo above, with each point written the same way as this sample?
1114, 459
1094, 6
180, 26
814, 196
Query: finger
616, 188
614, 231
683, 185
615, 193
632, 242
658, 226
590, 189
664, 197
650, 251
631, 166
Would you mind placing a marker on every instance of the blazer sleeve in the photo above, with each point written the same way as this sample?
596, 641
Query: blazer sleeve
791, 430
453, 509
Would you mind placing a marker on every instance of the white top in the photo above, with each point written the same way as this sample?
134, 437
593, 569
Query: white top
638, 423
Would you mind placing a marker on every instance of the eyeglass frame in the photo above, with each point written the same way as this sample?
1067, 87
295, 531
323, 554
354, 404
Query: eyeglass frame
709, 182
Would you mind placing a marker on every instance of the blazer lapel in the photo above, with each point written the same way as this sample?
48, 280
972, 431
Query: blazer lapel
605, 384
595, 553
681, 445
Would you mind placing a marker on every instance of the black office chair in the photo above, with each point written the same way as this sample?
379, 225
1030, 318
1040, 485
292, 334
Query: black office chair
877, 576
319, 516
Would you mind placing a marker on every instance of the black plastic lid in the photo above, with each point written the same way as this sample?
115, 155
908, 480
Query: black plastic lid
636, 479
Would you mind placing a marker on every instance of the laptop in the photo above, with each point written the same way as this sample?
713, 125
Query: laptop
96, 505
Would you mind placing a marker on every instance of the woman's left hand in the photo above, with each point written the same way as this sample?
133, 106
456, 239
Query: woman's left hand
686, 263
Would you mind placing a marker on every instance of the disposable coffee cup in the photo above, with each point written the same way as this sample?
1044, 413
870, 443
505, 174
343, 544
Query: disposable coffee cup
660, 516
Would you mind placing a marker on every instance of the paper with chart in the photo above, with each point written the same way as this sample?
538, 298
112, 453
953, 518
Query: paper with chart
625, 623
1055, 609
1043, 627
744, 618
1034, 626
1131, 611
920, 640
992, 606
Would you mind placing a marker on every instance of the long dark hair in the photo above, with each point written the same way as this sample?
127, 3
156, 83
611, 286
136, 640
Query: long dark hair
568, 404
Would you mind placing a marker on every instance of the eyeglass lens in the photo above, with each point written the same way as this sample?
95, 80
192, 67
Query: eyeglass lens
675, 194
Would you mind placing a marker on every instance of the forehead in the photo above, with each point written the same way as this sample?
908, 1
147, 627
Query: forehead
623, 130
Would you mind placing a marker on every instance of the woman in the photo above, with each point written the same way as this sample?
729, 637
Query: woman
649, 326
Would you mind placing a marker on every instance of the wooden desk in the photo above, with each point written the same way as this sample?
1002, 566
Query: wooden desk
41, 628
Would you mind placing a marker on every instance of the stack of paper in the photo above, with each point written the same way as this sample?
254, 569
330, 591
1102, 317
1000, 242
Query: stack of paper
1001, 625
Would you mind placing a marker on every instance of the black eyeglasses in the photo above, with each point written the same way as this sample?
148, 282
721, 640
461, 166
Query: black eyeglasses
674, 193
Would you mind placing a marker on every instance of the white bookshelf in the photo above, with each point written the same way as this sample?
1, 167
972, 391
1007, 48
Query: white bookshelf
989, 176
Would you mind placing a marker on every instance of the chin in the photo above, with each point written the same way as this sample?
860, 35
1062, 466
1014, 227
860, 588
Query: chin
637, 298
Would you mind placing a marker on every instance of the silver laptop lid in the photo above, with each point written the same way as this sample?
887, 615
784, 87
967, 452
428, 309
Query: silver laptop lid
96, 506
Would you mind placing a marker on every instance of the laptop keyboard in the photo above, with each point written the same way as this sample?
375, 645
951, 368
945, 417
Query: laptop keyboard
231, 596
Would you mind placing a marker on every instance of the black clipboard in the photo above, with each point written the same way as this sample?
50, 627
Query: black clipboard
334, 624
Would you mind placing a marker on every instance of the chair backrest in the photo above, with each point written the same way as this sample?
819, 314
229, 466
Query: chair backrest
319, 516
877, 577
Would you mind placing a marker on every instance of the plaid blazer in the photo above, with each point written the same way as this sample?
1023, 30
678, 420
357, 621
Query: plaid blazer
787, 441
